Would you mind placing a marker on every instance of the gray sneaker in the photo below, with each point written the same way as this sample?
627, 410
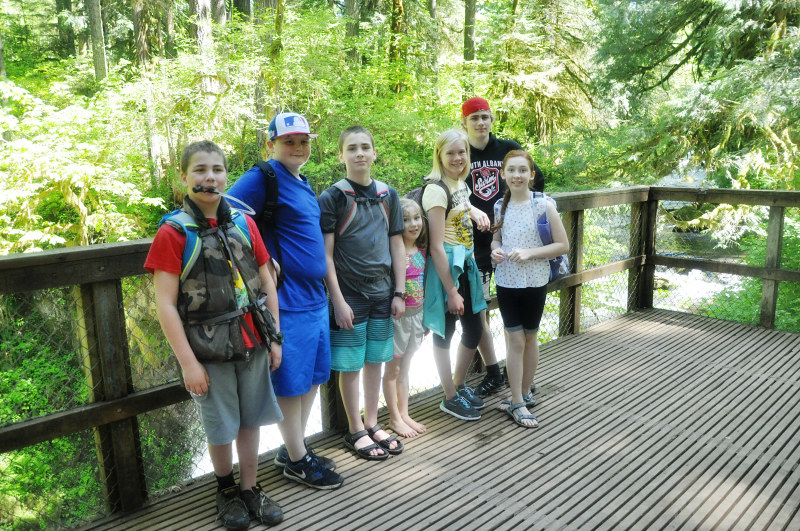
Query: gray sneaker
469, 395
459, 407
260, 507
232, 510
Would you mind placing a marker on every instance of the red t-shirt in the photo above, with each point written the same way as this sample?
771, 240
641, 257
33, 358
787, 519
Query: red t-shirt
166, 254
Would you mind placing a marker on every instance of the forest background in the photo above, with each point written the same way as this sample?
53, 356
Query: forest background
98, 98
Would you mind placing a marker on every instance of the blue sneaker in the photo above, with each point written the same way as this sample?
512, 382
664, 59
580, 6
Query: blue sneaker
310, 472
282, 457
469, 395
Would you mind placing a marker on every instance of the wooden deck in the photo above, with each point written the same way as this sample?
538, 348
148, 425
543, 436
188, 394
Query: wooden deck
653, 420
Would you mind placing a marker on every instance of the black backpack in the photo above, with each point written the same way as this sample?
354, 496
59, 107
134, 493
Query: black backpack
266, 220
416, 195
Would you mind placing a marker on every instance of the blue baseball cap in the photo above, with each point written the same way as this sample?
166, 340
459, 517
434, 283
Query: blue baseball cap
289, 123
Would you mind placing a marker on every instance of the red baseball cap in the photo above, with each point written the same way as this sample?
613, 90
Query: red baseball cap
474, 105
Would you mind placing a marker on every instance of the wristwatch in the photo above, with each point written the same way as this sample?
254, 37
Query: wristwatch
401, 294
278, 338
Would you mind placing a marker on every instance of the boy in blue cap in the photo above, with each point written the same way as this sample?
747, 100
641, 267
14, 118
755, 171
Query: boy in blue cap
290, 225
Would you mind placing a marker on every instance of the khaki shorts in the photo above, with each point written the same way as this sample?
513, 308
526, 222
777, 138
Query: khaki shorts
408, 331
239, 397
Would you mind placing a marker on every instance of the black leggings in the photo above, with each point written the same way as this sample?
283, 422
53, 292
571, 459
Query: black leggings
471, 325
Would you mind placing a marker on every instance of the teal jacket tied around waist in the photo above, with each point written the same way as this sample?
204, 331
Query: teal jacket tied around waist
435, 306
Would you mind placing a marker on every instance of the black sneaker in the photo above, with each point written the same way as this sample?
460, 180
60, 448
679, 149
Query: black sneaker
232, 510
282, 457
260, 507
309, 471
459, 407
469, 395
489, 385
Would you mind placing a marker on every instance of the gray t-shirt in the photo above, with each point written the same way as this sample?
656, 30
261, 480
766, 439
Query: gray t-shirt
361, 255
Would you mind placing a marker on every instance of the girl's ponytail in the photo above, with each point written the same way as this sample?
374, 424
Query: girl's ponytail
498, 223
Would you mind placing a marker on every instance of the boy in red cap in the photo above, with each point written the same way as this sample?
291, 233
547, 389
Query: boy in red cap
486, 187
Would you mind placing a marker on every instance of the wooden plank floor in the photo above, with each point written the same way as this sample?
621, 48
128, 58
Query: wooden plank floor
653, 420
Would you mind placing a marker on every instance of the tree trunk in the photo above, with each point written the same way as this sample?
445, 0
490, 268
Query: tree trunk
2, 59
140, 30
351, 13
469, 30
261, 8
266, 91
220, 11
66, 34
396, 42
277, 45
170, 47
396, 28
98, 42
434, 40
244, 7
201, 27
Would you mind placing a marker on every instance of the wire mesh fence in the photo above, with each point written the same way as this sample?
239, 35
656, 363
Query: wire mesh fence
739, 237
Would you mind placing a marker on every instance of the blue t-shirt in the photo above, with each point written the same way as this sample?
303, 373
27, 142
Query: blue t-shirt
297, 221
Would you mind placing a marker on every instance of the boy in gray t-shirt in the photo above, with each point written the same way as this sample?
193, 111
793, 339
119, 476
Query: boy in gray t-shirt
362, 225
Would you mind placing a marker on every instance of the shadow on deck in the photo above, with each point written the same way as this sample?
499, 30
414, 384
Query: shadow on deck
650, 420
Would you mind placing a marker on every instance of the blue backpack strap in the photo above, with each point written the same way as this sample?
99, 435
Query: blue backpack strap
240, 222
185, 224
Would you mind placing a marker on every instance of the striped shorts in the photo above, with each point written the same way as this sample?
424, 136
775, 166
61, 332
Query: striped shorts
370, 340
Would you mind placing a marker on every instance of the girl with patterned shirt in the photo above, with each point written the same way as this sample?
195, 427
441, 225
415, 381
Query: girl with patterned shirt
408, 330
521, 276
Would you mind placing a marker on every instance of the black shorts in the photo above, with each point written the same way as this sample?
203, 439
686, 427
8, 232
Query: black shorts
471, 323
521, 308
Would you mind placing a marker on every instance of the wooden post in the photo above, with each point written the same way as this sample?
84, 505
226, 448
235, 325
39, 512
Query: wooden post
107, 366
642, 232
769, 290
569, 321
334, 416
648, 276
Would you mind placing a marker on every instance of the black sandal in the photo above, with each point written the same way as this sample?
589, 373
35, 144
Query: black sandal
387, 442
364, 453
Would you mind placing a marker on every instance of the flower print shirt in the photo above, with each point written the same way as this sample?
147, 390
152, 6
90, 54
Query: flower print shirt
415, 278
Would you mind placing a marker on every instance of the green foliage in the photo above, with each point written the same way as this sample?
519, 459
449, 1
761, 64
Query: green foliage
65, 174
745, 304
40, 374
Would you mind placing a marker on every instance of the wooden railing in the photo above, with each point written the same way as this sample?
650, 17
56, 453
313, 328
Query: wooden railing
96, 272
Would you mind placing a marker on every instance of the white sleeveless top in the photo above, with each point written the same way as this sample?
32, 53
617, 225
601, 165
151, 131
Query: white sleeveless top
519, 232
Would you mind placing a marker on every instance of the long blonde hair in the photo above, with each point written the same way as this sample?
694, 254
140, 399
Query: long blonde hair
444, 140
